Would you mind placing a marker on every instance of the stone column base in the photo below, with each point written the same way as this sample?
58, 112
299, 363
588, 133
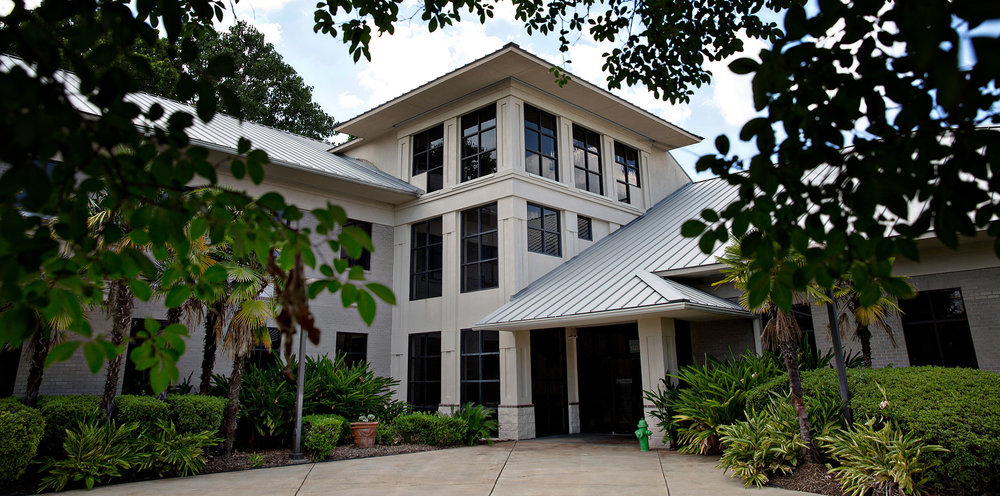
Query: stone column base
516, 421
658, 439
574, 418
449, 410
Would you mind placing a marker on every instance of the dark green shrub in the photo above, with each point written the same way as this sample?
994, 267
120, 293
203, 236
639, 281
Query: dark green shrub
430, 428
21, 430
479, 422
320, 434
165, 450
94, 452
951, 407
62, 413
147, 411
385, 434
196, 412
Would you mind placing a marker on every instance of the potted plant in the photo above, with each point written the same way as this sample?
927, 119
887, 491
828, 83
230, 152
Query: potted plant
364, 431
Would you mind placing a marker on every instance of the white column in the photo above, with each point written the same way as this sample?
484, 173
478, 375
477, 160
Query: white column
758, 345
516, 412
657, 358
572, 381
450, 334
399, 339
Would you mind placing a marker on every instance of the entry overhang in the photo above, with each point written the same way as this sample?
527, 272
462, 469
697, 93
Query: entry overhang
678, 310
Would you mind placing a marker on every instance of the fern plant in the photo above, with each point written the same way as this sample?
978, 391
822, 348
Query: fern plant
480, 422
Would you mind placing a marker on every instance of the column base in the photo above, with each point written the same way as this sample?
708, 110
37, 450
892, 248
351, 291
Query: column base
574, 418
659, 437
516, 421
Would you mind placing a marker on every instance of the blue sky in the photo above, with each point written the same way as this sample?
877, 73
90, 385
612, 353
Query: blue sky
412, 56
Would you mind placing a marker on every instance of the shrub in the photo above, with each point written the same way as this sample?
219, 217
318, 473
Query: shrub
886, 460
21, 430
94, 452
62, 413
320, 434
479, 423
761, 445
951, 407
147, 411
196, 412
166, 450
430, 428
345, 429
386, 435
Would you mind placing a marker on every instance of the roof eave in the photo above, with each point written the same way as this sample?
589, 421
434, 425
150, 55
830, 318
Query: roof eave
607, 316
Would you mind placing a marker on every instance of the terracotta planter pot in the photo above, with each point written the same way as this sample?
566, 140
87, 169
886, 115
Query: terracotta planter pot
364, 433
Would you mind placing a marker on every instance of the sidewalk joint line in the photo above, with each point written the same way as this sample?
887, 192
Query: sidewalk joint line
311, 467
511, 452
659, 458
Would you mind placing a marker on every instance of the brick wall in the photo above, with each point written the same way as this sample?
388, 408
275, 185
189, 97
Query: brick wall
717, 338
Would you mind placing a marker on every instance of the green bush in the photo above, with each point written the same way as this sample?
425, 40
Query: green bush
166, 450
951, 407
147, 411
385, 434
62, 413
21, 430
320, 434
430, 428
94, 452
196, 412
479, 422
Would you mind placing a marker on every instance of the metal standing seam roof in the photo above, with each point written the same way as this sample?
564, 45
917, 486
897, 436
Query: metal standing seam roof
617, 272
223, 132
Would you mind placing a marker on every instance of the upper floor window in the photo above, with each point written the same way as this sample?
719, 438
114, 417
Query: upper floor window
584, 228
543, 230
480, 249
428, 156
365, 260
626, 171
425, 259
587, 160
479, 143
540, 143
354, 346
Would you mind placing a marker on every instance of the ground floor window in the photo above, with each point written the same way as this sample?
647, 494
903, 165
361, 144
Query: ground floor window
481, 367
802, 313
261, 356
424, 378
354, 346
936, 329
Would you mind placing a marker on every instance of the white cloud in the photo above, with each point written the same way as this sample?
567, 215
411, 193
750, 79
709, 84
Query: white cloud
260, 6
347, 101
6, 6
732, 94
270, 30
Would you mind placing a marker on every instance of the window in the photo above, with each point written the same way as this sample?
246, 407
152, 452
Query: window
481, 367
424, 384
587, 160
428, 156
627, 171
936, 329
365, 260
260, 356
543, 230
425, 259
540, 143
802, 312
584, 228
480, 253
479, 143
354, 346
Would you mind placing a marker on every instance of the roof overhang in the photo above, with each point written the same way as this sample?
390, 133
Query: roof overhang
511, 62
677, 310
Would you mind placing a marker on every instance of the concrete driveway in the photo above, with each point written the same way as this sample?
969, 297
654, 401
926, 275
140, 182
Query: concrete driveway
570, 465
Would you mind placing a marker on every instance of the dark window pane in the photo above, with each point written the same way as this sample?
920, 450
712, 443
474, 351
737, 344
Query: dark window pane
488, 163
470, 124
548, 146
470, 277
548, 122
491, 341
365, 260
551, 221
543, 230
488, 117
490, 394
583, 228
535, 241
489, 273
489, 216
623, 192
479, 245
488, 246
937, 330
552, 244
470, 250
435, 180
425, 259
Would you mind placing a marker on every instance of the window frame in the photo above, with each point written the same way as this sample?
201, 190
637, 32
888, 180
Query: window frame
545, 233
480, 131
590, 228
480, 355
479, 235
533, 138
365, 260
426, 154
622, 169
346, 340
413, 383
587, 172
427, 249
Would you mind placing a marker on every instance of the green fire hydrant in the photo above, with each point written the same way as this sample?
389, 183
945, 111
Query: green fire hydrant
643, 434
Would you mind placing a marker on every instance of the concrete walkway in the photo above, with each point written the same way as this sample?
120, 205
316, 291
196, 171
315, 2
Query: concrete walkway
571, 465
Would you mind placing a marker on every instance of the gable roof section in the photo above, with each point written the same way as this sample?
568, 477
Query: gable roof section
619, 272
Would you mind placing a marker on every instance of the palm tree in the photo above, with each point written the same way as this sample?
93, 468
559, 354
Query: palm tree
47, 334
781, 332
866, 317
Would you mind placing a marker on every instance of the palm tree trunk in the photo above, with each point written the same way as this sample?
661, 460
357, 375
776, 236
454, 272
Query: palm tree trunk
789, 352
232, 411
865, 336
121, 303
212, 321
39, 350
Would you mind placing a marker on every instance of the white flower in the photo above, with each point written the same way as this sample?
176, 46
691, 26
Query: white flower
883, 405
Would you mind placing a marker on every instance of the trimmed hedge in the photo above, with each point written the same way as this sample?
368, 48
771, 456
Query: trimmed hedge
385, 434
146, 411
955, 408
430, 428
21, 430
345, 429
61, 413
320, 434
196, 412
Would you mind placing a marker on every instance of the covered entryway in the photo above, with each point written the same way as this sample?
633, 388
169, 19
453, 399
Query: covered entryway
610, 379
548, 381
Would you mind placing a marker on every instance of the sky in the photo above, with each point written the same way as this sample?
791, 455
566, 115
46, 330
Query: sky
411, 57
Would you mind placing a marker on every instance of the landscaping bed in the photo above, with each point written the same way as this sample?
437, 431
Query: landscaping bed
809, 478
240, 460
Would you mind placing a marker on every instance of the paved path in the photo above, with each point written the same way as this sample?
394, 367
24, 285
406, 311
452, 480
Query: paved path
572, 465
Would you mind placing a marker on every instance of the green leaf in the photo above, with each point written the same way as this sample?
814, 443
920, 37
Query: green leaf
222, 65
61, 352
357, 273
316, 288
722, 144
366, 307
692, 228
176, 296
140, 289
348, 295
743, 65
92, 354
215, 274
382, 291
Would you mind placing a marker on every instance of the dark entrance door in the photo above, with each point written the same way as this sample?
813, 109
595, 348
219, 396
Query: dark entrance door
610, 378
548, 381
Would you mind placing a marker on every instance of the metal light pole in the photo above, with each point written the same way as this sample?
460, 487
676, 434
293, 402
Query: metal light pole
299, 388
838, 356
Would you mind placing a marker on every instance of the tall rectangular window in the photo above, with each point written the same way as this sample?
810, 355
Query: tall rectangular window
365, 260
481, 367
354, 346
480, 249
425, 259
584, 228
587, 160
479, 143
543, 230
626, 171
428, 156
936, 329
424, 378
540, 143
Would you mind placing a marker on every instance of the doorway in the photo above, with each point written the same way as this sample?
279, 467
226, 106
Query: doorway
548, 381
610, 379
